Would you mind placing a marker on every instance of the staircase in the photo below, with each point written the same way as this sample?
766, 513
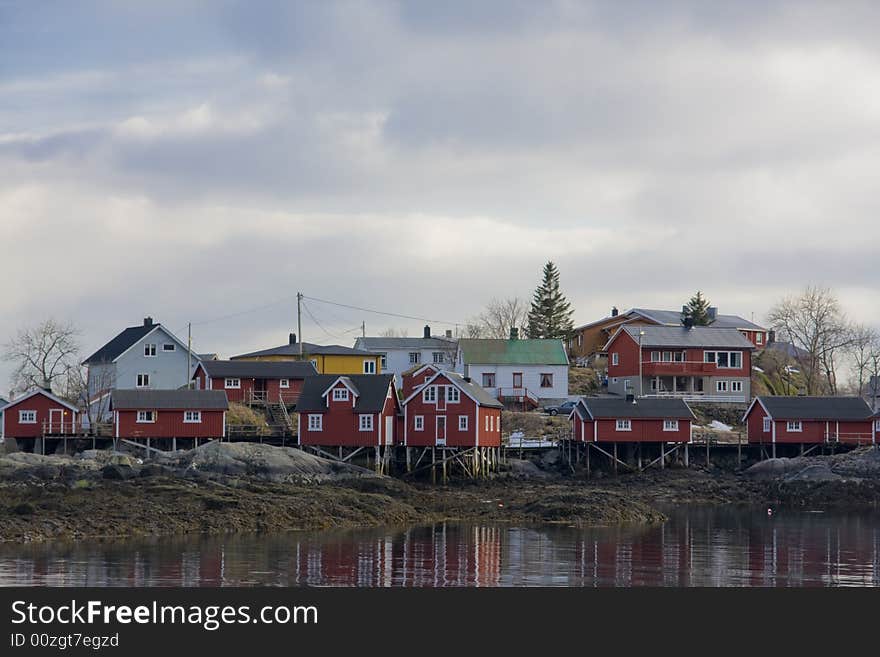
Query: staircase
519, 396
277, 411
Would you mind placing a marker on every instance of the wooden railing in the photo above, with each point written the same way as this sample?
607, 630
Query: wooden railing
287, 397
517, 393
699, 397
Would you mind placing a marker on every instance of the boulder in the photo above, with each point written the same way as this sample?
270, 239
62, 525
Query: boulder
117, 472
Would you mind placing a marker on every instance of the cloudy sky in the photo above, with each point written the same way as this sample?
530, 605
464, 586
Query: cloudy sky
203, 160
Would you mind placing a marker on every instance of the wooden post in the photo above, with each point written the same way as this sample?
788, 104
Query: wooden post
409, 459
739, 457
686, 463
615, 459
174, 444
774, 450
433, 465
639, 452
443, 464
662, 455
707, 451
587, 459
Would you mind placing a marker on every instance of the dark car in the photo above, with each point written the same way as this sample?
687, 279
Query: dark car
564, 408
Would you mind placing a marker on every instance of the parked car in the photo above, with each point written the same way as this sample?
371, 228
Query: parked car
564, 408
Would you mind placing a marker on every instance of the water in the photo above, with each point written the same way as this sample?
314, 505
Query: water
697, 547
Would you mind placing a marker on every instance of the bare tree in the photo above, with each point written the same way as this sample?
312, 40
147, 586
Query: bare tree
43, 355
814, 322
393, 333
501, 315
864, 355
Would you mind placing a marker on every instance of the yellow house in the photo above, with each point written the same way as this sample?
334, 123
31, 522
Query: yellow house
328, 359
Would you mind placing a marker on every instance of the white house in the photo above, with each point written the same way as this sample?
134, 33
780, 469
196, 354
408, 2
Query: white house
401, 354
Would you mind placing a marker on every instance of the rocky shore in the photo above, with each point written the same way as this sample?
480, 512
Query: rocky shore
244, 487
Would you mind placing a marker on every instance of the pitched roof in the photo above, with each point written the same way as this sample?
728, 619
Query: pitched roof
209, 400
673, 318
644, 408
118, 345
372, 391
467, 386
308, 348
512, 352
379, 344
815, 408
39, 391
259, 369
679, 336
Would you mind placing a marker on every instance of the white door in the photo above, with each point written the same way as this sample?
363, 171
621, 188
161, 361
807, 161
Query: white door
389, 430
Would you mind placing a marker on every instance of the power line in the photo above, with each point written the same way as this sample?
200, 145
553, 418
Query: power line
320, 326
380, 312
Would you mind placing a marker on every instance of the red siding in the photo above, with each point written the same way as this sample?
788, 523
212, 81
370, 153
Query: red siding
814, 431
409, 382
643, 430
40, 403
169, 424
272, 386
628, 354
341, 424
755, 425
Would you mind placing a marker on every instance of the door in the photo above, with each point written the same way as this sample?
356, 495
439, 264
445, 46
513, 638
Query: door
259, 389
56, 420
441, 430
517, 380
389, 430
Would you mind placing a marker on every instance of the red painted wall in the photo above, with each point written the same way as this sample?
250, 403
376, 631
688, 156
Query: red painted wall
273, 388
409, 382
814, 431
341, 424
628, 350
41, 404
643, 430
755, 426
454, 437
169, 424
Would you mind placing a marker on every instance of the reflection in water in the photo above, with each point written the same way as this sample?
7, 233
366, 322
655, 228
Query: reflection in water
697, 547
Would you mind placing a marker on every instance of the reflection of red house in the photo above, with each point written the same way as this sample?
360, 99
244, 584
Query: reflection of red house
37, 414
254, 380
169, 413
810, 420
453, 411
623, 421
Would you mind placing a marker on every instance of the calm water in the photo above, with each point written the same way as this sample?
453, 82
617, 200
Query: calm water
697, 547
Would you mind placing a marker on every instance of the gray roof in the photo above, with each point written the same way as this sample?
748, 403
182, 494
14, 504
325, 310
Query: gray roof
816, 408
698, 337
259, 369
380, 344
483, 397
644, 408
673, 318
309, 349
372, 390
208, 400
120, 343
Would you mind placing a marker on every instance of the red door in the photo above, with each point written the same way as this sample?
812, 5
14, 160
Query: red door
441, 430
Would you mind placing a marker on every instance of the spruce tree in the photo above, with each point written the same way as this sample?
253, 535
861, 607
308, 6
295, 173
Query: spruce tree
697, 310
550, 312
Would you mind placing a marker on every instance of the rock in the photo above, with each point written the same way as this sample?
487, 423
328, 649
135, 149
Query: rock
117, 472
772, 468
156, 470
815, 472
522, 468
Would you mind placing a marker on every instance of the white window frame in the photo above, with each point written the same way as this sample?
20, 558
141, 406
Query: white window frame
438, 357
655, 356
192, 417
369, 367
365, 422
759, 337
722, 386
615, 358
143, 415
232, 383
316, 422
487, 384
453, 395
623, 425
713, 359
665, 354
429, 395
736, 386
487, 423
150, 349
462, 422
142, 380
284, 383
768, 425
22, 414
166, 345
877, 425
415, 357
383, 361
670, 425
794, 426
340, 394
418, 423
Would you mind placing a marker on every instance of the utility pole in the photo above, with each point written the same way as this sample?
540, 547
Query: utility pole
641, 333
189, 351
299, 323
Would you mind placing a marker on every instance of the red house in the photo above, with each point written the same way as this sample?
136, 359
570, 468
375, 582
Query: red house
417, 376
646, 420
169, 413
39, 413
251, 381
449, 410
810, 420
348, 410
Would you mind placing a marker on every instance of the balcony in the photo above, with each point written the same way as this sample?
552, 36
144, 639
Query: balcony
698, 397
678, 368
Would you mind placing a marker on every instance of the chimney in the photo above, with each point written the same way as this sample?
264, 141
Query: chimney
467, 379
292, 338
614, 311
427, 332
713, 313
514, 333
449, 334
148, 321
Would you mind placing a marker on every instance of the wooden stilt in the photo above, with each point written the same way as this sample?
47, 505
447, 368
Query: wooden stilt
433, 465
707, 451
587, 460
739, 456
639, 455
174, 444
409, 459
662, 455
615, 458
686, 463
774, 450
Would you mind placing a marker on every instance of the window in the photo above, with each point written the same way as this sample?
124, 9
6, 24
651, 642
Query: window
877, 425
369, 367
383, 361
517, 380
489, 380
725, 359
462, 422
314, 362
708, 356
679, 357
487, 423
146, 416
766, 425
670, 425
232, 384
316, 422
736, 359
366, 422
547, 380
615, 358
284, 383
759, 338
340, 394
667, 356
453, 394
192, 417
143, 380
624, 425
149, 350
415, 357
27, 417
438, 357
794, 426
169, 347
721, 386
429, 394
419, 423
655, 356
736, 386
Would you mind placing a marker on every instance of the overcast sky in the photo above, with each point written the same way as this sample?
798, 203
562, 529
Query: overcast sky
195, 160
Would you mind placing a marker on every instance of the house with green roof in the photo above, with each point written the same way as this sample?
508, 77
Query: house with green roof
526, 371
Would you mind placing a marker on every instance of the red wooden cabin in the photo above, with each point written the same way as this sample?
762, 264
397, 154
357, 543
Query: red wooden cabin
451, 411
254, 380
415, 377
348, 410
646, 420
39, 413
169, 413
810, 420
